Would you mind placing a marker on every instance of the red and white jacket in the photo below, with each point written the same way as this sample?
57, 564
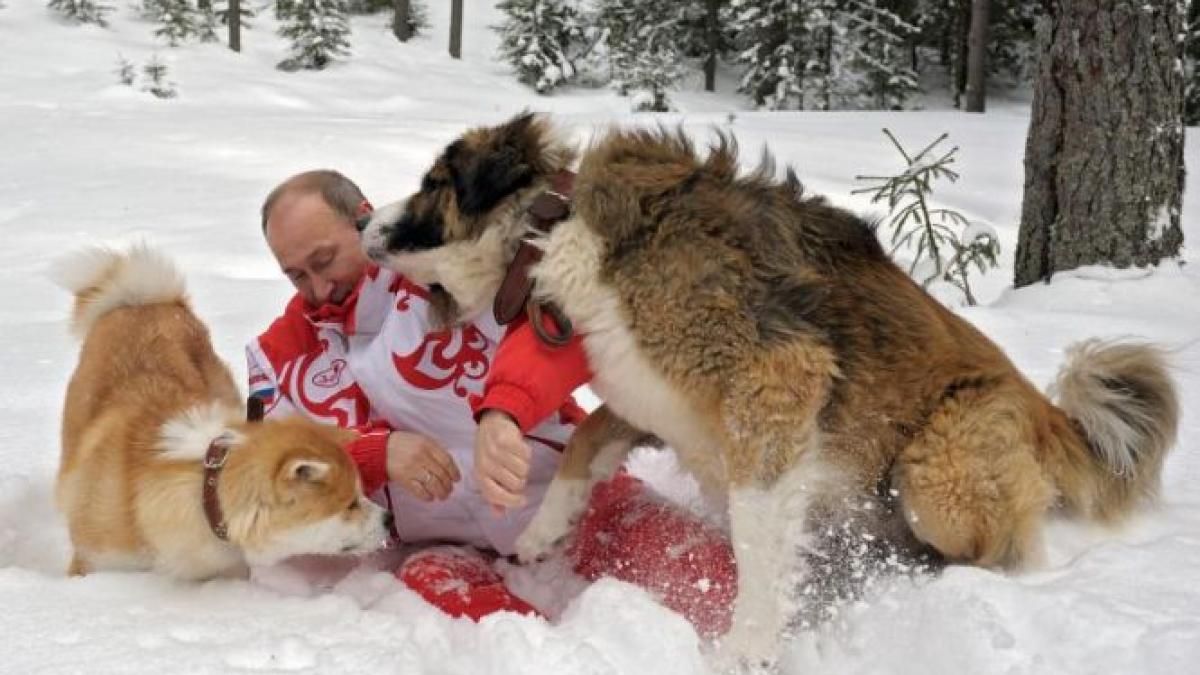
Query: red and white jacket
374, 364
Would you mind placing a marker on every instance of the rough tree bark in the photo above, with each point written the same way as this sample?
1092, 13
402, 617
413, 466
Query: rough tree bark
960, 27
400, 25
456, 25
977, 44
1104, 167
712, 28
235, 25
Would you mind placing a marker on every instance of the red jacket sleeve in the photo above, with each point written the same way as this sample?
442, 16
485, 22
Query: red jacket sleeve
529, 379
369, 452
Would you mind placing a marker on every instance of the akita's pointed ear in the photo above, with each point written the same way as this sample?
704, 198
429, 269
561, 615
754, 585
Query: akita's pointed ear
490, 165
306, 470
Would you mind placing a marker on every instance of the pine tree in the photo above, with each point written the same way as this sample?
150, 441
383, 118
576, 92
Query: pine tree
82, 11
125, 71
540, 39
206, 21
705, 33
1012, 32
318, 30
825, 54
876, 40
418, 14
156, 72
180, 20
944, 244
648, 75
775, 46
642, 38
944, 27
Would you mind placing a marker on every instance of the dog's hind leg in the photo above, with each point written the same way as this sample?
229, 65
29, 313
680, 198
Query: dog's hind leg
78, 567
775, 473
593, 454
970, 484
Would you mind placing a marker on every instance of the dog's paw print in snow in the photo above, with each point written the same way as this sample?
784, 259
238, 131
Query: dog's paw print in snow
290, 653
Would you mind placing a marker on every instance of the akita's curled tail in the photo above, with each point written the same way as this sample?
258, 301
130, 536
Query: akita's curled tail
104, 279
1121, 398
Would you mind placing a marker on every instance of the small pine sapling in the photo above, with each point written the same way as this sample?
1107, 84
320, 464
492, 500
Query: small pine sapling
156, 72
125, 71
943, 237
82, 11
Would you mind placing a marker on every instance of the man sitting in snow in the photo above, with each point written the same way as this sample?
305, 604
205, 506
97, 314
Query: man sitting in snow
357, 347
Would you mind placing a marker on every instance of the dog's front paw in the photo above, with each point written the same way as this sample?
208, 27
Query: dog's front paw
739, 655
560, 508
545, 532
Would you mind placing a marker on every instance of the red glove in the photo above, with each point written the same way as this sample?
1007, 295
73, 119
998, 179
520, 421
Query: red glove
460, 584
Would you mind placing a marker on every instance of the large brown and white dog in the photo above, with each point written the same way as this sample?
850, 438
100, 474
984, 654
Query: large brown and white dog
147, 399
767, 337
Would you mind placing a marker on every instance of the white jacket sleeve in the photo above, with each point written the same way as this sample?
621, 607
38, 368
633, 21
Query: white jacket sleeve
264, 383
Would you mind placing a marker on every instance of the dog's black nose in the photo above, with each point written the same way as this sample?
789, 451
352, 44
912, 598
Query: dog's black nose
388, 520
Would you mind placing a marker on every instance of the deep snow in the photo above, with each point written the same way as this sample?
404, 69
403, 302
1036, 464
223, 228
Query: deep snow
85, 160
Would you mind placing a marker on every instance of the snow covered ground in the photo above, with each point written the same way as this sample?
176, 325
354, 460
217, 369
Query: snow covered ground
84, 160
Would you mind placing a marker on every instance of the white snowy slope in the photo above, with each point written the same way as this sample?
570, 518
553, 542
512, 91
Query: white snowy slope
85, 160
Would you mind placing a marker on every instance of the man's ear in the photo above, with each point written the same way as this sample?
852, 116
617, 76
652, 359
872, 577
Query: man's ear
498, 167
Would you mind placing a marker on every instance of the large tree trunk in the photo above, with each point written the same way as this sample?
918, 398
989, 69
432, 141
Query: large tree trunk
960, 29
235, 25
1104, 158
400, 25
977, 44
456, 20
712, 29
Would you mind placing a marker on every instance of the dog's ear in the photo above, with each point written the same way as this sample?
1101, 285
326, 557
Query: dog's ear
496, 168
306, 470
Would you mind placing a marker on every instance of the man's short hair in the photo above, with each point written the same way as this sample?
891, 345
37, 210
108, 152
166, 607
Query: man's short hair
340, 193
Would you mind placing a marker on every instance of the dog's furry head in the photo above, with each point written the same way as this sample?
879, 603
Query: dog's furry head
287, 488
299, 493
457, 233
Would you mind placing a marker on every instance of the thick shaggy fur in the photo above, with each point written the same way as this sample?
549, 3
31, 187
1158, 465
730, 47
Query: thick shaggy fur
147, 398
767, 337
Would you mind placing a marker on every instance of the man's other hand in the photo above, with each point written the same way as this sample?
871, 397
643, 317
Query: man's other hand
422, 467
501, 460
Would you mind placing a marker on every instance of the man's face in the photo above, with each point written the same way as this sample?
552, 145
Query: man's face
317, 249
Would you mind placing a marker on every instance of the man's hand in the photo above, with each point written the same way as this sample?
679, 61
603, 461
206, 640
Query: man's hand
422, 467
501, 460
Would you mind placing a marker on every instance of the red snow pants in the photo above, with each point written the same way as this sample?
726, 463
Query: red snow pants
626, 533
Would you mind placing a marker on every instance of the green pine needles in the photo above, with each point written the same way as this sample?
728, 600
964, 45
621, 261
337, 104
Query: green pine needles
947, 245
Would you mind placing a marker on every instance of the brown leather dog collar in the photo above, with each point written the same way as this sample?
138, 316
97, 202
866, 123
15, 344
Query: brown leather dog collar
214, 460
547, 210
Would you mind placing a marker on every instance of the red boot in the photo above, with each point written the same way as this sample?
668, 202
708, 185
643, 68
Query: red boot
632, 535
460, 584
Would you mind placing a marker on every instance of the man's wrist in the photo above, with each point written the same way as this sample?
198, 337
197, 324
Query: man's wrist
496, 412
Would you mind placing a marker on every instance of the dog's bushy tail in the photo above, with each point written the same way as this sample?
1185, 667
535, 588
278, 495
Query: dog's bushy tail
1124, 405
104, 279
